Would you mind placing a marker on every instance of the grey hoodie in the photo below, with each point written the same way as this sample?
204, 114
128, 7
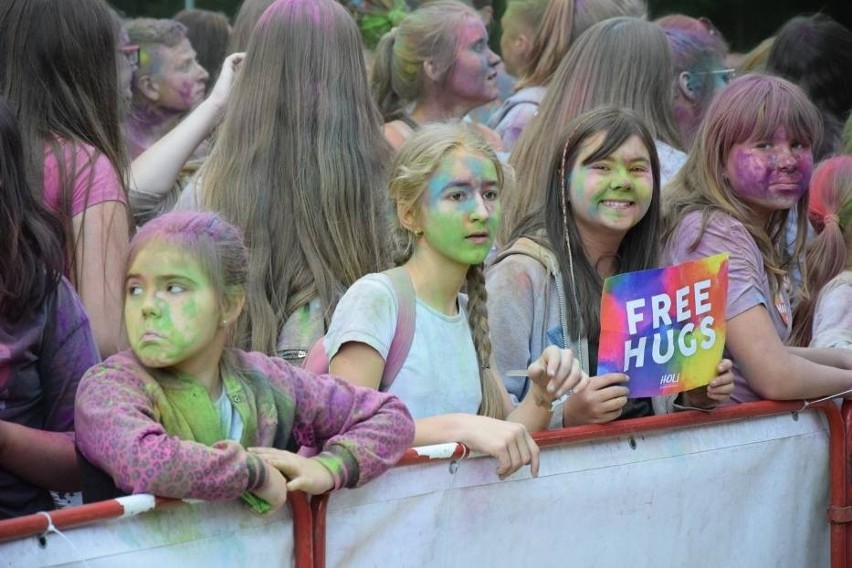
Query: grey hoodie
527, 309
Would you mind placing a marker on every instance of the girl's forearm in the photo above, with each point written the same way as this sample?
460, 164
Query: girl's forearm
45, 459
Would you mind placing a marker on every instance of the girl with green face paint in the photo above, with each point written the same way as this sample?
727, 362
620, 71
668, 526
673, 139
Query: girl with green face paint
446, 183
180, 415
601, 217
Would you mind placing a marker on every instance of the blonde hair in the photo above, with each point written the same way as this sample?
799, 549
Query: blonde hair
299, 166
427, 34
755, 60
750, 108
557, 24
622, 62
412, 168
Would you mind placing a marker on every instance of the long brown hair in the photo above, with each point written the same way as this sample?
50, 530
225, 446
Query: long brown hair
31, 238
557, 24
413, 166
58, 74
299, 166
244, 23
828, 254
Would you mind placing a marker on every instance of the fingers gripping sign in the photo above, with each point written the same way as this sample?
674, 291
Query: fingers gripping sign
719, 390
602, 402
722, 386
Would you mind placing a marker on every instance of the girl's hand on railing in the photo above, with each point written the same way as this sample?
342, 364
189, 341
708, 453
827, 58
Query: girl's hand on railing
274, 488
509, 442
303, 474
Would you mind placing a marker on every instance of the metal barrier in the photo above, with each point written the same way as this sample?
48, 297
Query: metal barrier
693, 468
773, 468
167, 532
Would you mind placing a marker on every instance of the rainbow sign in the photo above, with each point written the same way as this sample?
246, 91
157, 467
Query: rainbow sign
665, 328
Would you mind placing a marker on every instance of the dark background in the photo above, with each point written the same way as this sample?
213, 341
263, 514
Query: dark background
744, 23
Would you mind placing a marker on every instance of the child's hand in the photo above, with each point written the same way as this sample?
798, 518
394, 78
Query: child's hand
557, 372
303, 474
717, 391
274, 488
602, 402
509, 442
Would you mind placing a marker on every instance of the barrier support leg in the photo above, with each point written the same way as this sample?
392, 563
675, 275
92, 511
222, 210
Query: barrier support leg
319, 507
303, 541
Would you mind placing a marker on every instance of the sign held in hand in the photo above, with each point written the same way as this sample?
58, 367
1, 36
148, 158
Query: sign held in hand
665, 328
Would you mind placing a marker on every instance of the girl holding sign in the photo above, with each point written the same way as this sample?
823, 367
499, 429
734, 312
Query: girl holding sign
825, 318
601, 217
446, 183
750, 166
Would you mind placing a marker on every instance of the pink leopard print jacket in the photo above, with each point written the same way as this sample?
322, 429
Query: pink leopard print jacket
120, 405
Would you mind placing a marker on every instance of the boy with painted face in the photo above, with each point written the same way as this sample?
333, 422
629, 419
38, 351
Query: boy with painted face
181, 416
747, 172
446, 183
601, 217
167, 84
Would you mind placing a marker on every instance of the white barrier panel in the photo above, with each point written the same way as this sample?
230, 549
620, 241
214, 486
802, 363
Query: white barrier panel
745, 493
205, 535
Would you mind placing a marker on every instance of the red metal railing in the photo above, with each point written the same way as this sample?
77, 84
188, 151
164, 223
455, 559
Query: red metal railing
309, 517
839, 426
37, 524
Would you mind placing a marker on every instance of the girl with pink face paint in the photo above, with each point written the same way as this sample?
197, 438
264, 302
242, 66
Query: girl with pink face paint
436, 65
446, 183
749, 168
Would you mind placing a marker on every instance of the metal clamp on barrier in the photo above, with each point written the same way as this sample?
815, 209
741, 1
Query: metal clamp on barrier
840, 515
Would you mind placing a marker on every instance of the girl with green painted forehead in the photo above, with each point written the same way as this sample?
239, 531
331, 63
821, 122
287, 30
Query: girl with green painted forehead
446, 183
181, 416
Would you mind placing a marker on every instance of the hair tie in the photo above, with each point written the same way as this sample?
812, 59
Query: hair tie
831, 217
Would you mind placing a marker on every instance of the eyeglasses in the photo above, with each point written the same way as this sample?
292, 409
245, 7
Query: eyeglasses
131, 52
727, 74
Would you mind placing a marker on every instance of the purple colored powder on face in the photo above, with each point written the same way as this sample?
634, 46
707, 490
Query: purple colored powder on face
772, 174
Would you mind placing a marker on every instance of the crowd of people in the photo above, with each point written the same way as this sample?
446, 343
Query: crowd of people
243, 260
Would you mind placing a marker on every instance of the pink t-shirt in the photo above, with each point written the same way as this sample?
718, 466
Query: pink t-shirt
90, 164
748, 283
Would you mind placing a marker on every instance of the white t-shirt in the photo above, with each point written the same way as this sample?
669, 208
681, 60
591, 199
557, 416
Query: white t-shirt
440, 374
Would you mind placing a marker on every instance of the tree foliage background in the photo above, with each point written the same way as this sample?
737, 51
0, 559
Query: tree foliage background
744, 23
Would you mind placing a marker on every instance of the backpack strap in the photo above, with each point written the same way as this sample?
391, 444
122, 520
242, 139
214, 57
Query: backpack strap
403, 335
